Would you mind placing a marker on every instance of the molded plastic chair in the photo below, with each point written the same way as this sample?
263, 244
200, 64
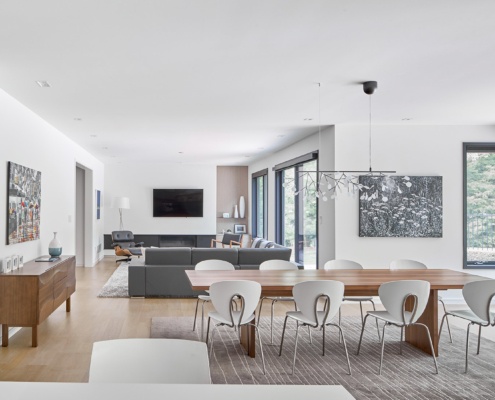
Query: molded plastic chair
348, 264
393, 296
478, 296
223, 295
413, 264
306, 295
208, 265
280, 265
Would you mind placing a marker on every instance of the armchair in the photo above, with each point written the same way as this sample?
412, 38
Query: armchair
228, 239
124, 245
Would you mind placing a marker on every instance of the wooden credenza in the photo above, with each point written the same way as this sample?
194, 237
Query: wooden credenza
31, 293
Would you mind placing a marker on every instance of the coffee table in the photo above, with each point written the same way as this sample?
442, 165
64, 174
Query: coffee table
363, 282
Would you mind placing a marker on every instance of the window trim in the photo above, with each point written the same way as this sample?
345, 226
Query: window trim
471, 147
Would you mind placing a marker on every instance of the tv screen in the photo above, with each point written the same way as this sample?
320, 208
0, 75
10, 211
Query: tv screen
177, 202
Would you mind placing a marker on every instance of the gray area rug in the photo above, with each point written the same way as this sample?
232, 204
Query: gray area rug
117, 285
407, 376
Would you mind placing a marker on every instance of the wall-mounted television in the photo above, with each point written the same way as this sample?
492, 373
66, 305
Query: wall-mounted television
177, 202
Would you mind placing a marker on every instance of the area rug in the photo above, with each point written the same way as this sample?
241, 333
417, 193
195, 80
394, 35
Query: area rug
406, 376
117, 285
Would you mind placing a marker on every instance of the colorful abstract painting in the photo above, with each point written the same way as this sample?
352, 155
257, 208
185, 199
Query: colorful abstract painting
24, 204
400, 206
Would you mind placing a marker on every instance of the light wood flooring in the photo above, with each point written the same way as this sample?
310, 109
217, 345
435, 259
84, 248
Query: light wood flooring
66, 339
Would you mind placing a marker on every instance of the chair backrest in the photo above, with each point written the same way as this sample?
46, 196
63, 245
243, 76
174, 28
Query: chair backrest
478, 296
393, 294
214, 265
307, 293
227, 237
221, 294
342, 264
407, 264
277, 264
124, 239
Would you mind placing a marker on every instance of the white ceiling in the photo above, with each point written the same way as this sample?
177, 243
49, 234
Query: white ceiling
227, 81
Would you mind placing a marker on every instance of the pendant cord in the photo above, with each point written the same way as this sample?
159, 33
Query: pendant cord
370, 135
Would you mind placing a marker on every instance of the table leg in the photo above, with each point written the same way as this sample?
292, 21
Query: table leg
248, 339
416, 335
5, 335
34, 335
67, 304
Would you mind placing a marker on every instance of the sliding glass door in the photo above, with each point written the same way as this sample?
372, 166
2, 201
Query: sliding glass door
297, 215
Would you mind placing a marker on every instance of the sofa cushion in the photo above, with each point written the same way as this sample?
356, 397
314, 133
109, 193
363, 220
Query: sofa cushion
256, 242
266, 244
229, 255
168, 256
251, 257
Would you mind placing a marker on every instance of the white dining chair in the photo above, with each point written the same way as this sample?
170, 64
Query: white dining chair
349, 264
393, 296
307, 295
223, 295
208, 265
413, 264
478, 296
280, 265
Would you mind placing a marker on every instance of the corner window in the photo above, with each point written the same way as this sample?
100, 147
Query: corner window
479, 205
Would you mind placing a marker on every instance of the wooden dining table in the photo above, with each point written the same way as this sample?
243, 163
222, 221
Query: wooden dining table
365, 282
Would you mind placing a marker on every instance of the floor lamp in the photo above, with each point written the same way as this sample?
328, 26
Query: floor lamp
121, 203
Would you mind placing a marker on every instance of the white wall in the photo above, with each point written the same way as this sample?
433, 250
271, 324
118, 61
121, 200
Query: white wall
323, 143
138, 181
412, 150
28, 140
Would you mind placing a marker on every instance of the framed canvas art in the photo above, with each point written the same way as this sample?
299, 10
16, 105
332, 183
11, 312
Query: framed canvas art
24, 204
401, 206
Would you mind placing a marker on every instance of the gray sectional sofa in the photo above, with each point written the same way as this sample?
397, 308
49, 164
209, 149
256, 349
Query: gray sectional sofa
160, 273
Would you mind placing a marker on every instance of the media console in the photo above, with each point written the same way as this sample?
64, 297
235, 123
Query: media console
178, 240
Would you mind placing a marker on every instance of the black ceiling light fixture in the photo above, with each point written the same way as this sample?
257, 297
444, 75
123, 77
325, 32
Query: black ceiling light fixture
327, 185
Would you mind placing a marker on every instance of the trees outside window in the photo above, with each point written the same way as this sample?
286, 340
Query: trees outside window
479, 205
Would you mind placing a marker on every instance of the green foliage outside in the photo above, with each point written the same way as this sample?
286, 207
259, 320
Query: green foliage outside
480, 173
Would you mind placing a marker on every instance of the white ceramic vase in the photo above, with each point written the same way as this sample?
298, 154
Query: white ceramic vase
236, 212
242, 207
55, 247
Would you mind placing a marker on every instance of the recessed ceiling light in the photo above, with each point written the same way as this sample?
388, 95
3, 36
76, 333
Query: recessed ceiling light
181, 152
43, 83
308, 119
406, 119
105, 148
77, 119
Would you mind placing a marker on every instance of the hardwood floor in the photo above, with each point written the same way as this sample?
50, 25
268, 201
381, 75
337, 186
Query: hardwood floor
66, 339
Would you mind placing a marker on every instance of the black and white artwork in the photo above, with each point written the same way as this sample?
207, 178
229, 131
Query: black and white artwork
400, 206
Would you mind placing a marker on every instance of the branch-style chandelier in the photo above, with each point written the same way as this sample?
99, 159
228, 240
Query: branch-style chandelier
327, 185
